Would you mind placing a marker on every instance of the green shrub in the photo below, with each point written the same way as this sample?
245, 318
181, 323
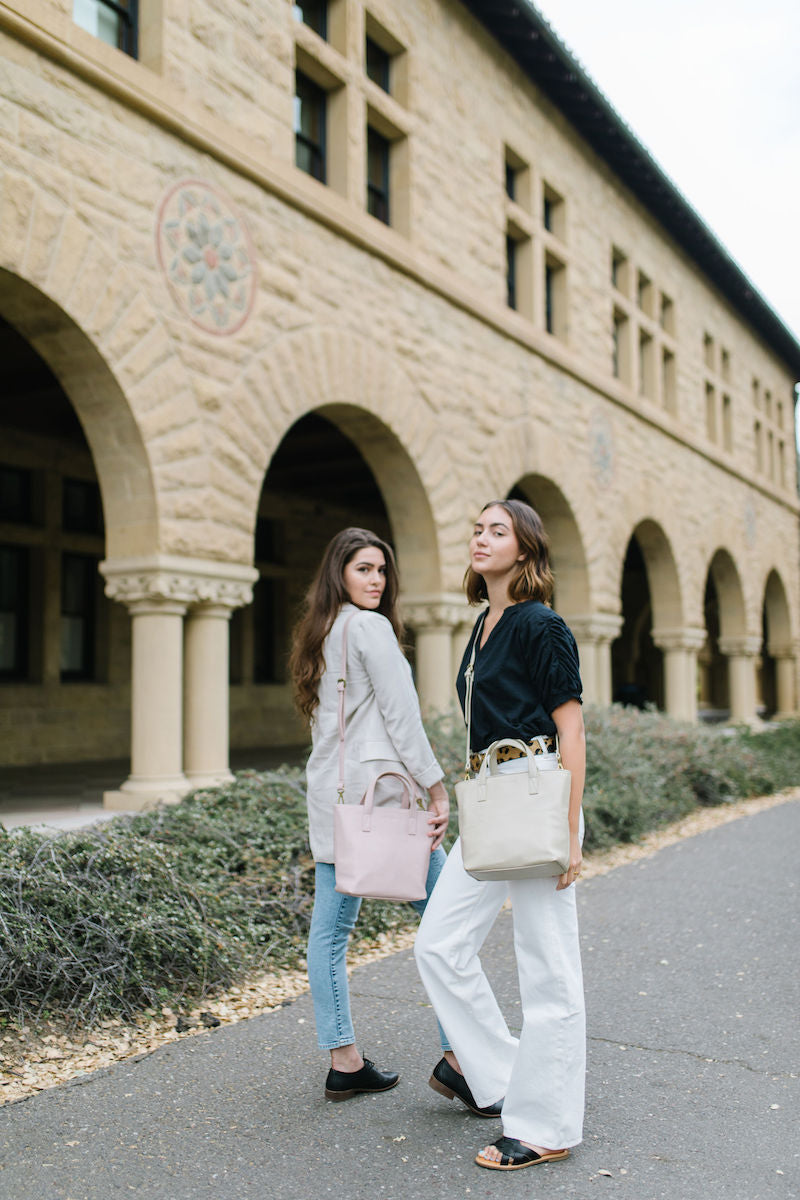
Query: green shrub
144, 910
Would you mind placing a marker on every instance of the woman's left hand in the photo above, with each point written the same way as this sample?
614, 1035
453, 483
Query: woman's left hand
438, 814
575, 863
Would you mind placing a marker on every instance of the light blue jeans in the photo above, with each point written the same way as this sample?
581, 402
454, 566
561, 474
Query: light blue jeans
332, 922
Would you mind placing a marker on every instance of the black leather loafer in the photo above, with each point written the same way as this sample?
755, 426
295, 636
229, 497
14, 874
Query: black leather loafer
341, 1085
447, 1082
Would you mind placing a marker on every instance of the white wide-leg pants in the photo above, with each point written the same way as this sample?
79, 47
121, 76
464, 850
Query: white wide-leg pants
541, 1074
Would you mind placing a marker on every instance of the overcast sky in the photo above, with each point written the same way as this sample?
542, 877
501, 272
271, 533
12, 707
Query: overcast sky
712, 89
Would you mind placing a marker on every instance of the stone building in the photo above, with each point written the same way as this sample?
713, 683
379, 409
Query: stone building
266, 269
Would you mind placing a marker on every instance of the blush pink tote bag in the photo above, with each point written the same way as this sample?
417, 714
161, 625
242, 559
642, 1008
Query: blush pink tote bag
379, 853
382, 853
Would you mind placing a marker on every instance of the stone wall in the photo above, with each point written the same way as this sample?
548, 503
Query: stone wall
402, 338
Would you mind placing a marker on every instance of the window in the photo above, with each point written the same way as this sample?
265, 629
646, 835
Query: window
644, 293
668, 394
385, 58
519, 231
727, 423
511, 272
81, 508
378, 152
315, 15
711, 413
758, 438
555, 296
13, 612
708, 351
620, 357
309, 127
553, 212
378, 64
554, 276
549, 296
646, 352
511, 181
114, 22
725, 364
619, 269
78, 582
15, 495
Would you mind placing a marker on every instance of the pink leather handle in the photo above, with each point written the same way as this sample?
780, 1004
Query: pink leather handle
409, 797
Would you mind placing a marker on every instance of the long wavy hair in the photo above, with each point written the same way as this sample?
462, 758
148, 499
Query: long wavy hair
532, 578
323, 600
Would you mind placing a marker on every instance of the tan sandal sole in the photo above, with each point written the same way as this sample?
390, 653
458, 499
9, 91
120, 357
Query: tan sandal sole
534, 1162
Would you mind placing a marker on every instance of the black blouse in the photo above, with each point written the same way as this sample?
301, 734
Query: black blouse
527, 668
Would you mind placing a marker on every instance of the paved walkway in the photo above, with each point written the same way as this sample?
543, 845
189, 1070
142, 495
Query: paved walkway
694, 1053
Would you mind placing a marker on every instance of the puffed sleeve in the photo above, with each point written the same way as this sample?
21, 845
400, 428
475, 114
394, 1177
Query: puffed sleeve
390, 676
552, 657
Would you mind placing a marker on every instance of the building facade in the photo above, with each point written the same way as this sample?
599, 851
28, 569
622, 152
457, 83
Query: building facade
269, 269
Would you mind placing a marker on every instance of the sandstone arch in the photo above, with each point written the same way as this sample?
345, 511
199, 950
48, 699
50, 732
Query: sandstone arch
777, 674
116, 443
360, 388
572, 597
84, 311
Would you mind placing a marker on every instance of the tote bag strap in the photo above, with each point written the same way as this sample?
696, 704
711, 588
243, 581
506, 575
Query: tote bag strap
341, 684
469, 683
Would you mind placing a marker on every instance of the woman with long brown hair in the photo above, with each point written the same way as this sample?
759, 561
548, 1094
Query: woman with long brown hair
526, 686
356, 587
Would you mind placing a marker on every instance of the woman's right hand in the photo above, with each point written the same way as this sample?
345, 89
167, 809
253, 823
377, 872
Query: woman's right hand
438, 814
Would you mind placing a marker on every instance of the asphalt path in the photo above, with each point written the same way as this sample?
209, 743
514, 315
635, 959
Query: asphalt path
691, 968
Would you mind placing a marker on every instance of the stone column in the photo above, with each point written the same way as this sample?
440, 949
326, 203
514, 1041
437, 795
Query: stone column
680, 648
206, 690
156, 706
205, 701
434, 619
158, 592
594, 635
741, 653
785, 656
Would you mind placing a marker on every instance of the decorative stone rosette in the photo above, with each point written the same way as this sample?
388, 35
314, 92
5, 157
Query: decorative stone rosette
207, 256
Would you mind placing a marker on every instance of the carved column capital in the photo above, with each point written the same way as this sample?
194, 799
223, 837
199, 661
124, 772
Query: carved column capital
445, 610
595, 627
690, 637
189, 582
782, 649
740, 647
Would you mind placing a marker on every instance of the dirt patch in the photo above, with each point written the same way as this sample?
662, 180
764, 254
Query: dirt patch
32, 1061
